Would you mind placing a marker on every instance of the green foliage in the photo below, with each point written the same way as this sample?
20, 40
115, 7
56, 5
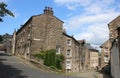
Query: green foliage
53, 60
4, 11
40, 55
50, 58
1, 38
53, 67
59, 59
46, 59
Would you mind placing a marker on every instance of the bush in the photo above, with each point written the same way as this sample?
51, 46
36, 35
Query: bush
40, 55
59, 60
52, 59
53, 67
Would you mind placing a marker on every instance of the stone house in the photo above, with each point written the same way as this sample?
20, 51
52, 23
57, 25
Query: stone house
94, 59
7, 42
91, 57
72, 53
114, 30
44, 32
82, 54
105, 53
1, 47
13, 42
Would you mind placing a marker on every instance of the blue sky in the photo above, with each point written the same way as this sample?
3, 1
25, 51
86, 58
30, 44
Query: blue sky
84, 19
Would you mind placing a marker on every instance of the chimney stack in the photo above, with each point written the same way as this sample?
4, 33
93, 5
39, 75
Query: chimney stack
48, 10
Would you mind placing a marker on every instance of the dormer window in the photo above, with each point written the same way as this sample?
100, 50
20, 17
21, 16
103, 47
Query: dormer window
69, 42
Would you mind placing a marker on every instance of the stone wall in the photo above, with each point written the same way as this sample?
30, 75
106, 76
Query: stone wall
44, 32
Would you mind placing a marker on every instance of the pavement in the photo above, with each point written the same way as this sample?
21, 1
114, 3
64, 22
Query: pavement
13, 67
92, 74
86, 74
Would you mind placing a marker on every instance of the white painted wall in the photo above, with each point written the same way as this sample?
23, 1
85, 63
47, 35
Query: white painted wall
115, 65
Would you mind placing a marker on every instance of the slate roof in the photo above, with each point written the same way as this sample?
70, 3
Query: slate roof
88, 46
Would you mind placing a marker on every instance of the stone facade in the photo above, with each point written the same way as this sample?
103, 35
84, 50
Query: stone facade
94, 59
1, 47
114, 28
44, 32
91, 57
113, 25
105, 53
72, 53
13, 42
7, 42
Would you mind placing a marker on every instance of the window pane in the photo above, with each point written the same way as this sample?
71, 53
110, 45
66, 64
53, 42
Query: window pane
68, 42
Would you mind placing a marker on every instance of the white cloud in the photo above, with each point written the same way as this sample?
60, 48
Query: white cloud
6, 1
82, 2
76, 22
72, 4
93, 9
91, 23
96, 30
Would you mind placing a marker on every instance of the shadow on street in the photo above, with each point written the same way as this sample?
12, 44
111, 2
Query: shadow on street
7, 71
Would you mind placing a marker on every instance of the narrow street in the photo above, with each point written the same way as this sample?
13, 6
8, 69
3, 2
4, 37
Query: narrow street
12, 67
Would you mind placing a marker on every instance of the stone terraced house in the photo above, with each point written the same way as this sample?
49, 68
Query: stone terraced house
44, 32
7, 43
90, 57
105, 53
114, 36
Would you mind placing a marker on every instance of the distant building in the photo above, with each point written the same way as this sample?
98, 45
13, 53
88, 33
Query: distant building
13, 41
105, 53
89, 57
1, 47
44, 32
7, 42
92, 55
114, 35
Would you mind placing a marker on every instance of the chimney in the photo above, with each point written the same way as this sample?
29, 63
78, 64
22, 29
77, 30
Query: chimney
64, 30
48, 10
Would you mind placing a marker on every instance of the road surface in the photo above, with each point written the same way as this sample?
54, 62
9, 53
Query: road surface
12, 67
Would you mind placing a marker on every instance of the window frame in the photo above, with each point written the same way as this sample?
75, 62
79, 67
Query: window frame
68, 54
69, 41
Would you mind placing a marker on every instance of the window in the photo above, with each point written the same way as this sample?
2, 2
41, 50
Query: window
58, 50
68, 64
106, 59
106, 49
68, 41
68, 54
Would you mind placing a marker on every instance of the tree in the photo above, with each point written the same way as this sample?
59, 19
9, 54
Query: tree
1, 38
4, 11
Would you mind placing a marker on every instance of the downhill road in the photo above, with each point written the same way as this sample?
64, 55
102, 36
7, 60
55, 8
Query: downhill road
12, 67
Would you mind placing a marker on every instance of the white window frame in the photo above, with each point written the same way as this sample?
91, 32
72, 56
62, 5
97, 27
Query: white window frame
106, 59
58, 50
70, 53
68, 65
69, 41
105, 49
